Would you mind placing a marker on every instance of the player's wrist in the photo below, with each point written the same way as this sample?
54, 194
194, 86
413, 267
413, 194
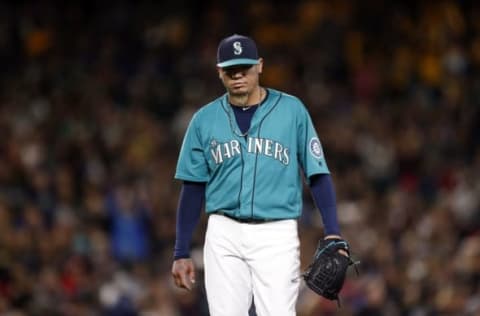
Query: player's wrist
181, 256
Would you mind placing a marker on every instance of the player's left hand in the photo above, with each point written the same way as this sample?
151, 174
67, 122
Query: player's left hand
183, 272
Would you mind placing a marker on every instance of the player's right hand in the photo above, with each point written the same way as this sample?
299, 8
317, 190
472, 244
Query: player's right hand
183, 272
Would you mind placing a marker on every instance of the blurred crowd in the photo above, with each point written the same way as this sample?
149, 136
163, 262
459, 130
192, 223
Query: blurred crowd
94, 101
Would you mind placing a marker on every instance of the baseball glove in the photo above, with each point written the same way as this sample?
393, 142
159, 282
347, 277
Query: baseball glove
326, 275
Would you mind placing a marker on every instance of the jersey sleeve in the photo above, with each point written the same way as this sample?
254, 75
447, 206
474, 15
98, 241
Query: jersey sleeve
310, 152
191, 164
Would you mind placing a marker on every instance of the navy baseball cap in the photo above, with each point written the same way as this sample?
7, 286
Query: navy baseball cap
237, 50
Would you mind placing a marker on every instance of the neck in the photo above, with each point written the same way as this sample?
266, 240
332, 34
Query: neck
253, 98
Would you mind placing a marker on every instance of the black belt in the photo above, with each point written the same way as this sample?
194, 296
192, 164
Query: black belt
249, 220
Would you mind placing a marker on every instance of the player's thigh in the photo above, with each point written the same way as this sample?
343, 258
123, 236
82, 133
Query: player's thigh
276, 274
227, 276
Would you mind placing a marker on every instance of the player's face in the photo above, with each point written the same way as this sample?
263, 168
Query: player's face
241, 79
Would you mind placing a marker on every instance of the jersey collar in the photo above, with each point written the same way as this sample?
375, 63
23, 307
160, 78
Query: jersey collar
271, 99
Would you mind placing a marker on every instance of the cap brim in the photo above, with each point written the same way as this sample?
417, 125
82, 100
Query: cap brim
239, 61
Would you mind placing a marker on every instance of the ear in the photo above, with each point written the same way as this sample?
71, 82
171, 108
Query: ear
260, 65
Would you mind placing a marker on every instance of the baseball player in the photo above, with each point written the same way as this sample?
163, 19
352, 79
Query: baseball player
241, 155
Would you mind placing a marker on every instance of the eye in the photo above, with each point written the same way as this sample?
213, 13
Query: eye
230, 71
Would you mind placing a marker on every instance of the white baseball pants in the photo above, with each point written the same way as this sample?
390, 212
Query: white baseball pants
244, 260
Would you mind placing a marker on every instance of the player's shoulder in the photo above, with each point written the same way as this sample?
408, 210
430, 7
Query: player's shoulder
287, 100
213, 105
208, 110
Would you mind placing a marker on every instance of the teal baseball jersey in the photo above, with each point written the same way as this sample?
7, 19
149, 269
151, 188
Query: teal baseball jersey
253, 174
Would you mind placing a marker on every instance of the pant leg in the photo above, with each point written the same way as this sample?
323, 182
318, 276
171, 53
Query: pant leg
275, 266
227, 276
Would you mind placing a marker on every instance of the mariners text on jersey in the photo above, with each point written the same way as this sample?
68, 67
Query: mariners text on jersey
263, 146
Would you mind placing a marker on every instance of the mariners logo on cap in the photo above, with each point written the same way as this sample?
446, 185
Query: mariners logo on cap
237, 48
316, 148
